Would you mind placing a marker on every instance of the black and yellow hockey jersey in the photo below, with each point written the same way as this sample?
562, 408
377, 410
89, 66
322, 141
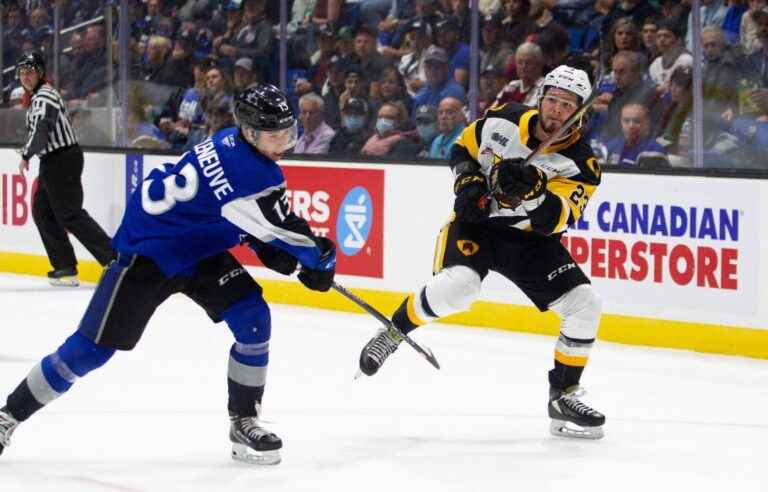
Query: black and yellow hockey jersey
572, 170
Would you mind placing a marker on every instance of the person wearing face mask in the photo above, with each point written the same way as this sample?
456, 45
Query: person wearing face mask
354, 128
388, 130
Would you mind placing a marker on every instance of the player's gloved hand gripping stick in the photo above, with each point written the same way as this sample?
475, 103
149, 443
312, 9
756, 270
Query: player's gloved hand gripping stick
320, 278
424, 351
514, 201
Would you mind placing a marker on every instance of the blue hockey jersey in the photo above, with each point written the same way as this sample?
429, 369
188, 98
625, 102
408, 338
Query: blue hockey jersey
201, 206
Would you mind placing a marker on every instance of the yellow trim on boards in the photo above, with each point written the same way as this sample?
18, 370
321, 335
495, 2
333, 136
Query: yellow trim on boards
87, 271
717, 339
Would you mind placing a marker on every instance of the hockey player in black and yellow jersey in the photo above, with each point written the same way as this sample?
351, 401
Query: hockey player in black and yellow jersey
508, 217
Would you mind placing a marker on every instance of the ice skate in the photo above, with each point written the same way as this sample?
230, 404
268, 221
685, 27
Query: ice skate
64, 277
377, 350
252, 443
571, 417
7, 425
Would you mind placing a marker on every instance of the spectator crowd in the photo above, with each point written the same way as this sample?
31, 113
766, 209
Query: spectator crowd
390, 78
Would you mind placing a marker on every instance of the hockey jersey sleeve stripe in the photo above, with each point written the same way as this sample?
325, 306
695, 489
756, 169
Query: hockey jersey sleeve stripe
266, 192
247, 215
525, 121
470, 138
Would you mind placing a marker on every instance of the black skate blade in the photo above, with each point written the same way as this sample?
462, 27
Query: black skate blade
245, 454
563, 428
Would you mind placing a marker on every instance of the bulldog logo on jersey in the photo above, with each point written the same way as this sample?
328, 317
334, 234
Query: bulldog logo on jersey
467, 248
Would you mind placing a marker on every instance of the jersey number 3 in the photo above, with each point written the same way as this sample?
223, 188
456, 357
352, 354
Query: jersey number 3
173, 191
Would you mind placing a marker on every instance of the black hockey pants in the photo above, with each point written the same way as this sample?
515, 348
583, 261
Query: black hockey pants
57, 207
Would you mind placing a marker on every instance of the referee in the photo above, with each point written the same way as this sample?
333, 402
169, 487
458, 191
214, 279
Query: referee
57, 206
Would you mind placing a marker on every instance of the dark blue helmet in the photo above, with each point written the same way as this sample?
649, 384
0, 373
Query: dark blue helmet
264, 108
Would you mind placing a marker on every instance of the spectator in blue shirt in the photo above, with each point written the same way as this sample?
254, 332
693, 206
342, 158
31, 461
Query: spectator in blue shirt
439, 84
449, 39
450, 123
635, 147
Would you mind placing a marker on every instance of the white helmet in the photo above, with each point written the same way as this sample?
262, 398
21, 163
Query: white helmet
569, 79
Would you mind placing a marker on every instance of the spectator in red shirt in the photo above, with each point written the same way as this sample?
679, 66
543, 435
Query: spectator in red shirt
530, 67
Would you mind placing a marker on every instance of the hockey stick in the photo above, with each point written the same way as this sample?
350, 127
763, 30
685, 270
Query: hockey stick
424, 351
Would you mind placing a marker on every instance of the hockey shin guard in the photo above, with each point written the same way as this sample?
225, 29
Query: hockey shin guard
250, 322
579, 310
55, 374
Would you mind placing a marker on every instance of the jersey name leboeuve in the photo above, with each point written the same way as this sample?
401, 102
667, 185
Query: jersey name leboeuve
209, 163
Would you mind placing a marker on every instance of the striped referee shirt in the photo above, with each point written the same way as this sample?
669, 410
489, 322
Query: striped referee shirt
48, 125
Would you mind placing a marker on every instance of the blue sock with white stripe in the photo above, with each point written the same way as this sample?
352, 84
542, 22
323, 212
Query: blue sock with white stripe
250, 322
55, 374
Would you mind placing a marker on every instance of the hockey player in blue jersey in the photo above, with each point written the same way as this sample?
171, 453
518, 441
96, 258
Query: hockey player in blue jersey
174, 238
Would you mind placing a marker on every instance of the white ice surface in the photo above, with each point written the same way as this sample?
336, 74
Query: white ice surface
155, 419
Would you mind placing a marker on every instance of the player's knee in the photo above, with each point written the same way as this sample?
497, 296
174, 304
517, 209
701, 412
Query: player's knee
453, 290
580, 310
249, 319
81, 355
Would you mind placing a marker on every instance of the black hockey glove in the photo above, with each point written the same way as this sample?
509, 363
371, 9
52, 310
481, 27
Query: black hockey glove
515, 179
275, 258
470, 204
321, 277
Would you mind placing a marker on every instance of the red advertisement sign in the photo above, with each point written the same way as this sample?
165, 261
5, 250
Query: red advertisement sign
16, 200
345, 205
